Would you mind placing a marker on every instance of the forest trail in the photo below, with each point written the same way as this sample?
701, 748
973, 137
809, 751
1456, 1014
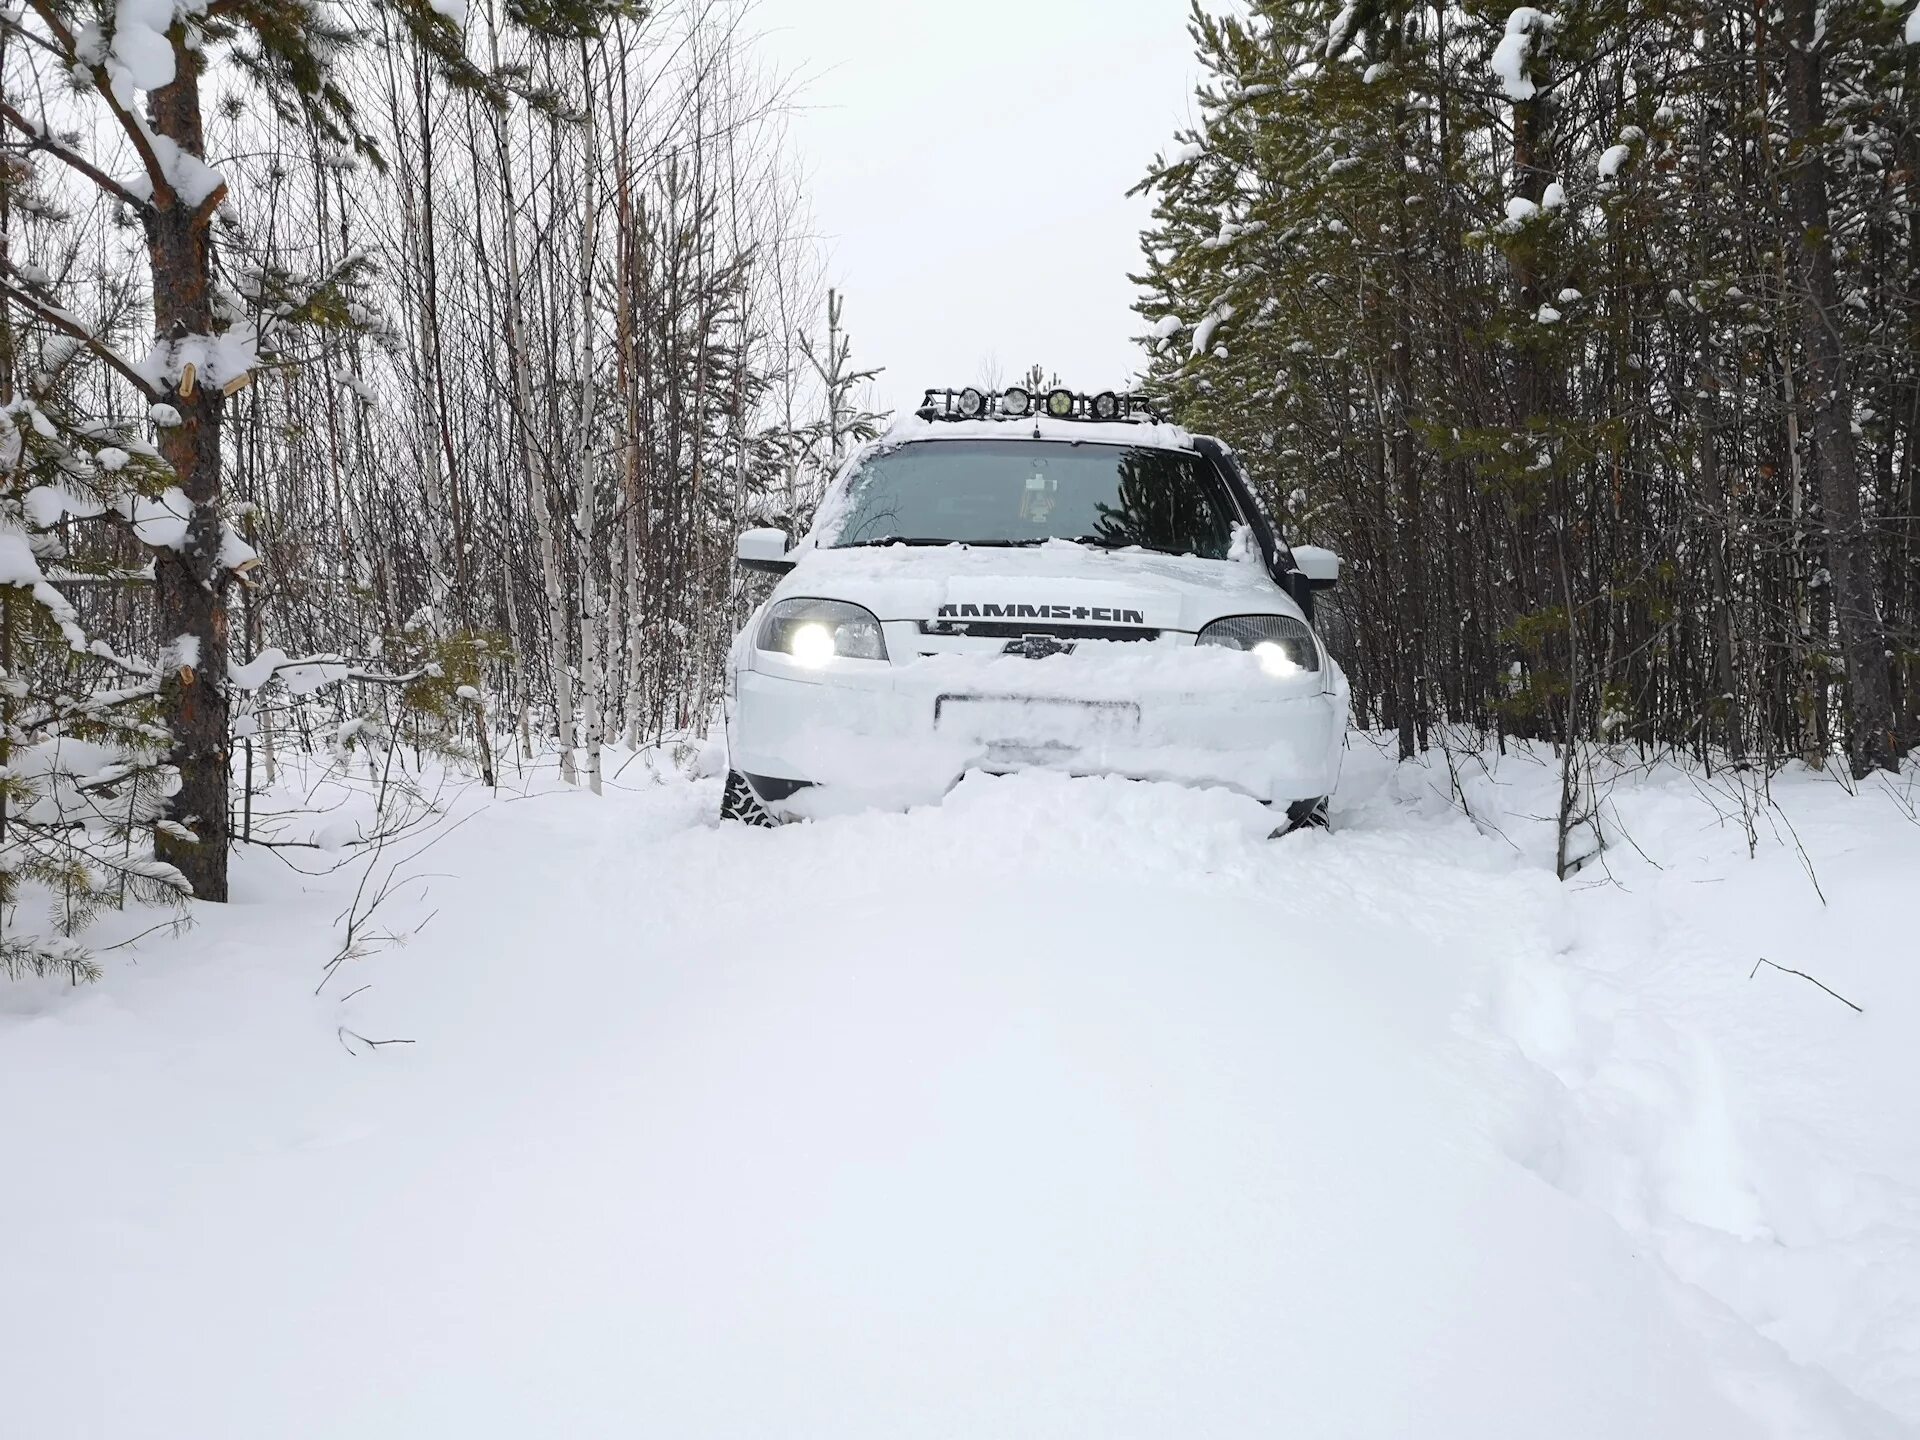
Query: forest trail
1066, 1107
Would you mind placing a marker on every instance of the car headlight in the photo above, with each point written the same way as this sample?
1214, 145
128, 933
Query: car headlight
1283, 645
812, 632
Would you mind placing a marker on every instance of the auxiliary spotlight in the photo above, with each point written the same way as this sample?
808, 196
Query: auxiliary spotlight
1106, 406
1015, 403
1060, 404
972, 403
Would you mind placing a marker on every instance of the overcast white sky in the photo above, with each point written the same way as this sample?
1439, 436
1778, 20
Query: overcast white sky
969, 163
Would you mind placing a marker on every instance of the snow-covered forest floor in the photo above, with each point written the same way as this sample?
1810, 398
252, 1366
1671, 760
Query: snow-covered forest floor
1065, 1107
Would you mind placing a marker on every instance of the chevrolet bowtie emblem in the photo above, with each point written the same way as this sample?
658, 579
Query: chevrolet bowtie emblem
1038, 647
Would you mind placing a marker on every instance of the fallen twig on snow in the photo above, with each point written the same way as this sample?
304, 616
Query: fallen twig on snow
1804, 976
343, 1032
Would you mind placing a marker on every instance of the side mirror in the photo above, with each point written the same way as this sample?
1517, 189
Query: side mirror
764, 550
1319, 565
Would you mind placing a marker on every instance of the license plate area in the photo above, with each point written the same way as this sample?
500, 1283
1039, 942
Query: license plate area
1029, 727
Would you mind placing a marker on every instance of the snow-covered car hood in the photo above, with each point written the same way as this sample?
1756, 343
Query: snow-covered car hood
1077, 584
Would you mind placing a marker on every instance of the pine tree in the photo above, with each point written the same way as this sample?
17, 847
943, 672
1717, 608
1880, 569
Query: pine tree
83, 756
153, 75
846, 423
1512, 305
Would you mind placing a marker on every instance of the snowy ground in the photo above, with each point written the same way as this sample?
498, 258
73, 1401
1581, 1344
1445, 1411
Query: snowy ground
1064, 1108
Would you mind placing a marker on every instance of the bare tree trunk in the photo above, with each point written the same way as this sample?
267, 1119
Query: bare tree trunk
586, 513
190, 583
1829, 392
626, 638
537, 477
1411, 502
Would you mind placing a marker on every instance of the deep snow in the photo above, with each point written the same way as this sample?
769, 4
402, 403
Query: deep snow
1065, 1107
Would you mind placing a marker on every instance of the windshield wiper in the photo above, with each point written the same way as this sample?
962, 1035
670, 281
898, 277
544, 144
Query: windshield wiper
1101, 542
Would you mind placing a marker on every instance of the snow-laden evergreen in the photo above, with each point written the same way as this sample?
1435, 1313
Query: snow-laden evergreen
410, 375
1587, 334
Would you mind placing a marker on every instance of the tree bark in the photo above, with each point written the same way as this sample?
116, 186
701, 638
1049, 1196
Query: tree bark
537, 474
190, 583
587, 465
1829, 395
1410, 594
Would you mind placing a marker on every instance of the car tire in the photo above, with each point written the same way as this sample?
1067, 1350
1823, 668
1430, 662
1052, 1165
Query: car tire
738, 802
1304, 815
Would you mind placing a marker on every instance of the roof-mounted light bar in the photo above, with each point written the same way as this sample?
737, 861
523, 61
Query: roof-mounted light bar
1017, 403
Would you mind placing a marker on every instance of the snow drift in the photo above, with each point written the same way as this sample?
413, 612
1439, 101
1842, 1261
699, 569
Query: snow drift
1065, 1107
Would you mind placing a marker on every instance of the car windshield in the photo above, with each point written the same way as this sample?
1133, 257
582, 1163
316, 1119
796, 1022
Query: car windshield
1023, 492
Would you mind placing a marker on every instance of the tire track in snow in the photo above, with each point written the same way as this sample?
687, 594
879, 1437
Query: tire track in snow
1621, 1097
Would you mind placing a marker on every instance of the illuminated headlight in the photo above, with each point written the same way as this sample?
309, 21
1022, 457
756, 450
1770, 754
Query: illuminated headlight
1275, 660
811, 643
1060, 404
812, 632
1283, 645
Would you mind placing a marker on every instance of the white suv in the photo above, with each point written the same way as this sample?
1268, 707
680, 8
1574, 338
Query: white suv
1010, 581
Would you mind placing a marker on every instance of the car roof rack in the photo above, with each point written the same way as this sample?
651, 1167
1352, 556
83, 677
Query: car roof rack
1019, 403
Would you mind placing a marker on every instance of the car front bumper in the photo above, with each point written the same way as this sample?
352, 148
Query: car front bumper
868, 733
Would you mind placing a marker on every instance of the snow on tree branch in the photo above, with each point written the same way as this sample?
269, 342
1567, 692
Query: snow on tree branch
1526, 27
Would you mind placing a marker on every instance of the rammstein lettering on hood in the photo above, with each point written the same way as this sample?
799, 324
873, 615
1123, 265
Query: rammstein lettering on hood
1110, 614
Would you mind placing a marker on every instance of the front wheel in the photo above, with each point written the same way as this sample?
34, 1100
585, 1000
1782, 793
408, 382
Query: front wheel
1304, 815
738, 802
